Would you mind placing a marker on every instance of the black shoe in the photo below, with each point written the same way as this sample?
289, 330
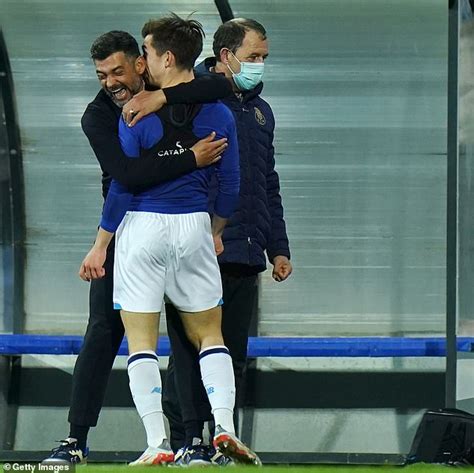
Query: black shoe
220, 459
196, 454
68, 453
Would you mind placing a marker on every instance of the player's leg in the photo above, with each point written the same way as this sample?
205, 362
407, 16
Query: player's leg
204, 330
138, 292
145, 383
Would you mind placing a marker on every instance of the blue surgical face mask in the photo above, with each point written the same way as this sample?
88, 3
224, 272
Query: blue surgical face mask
250, 74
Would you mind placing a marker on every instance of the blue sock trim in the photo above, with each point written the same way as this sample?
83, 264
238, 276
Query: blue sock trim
141, 356
212, 351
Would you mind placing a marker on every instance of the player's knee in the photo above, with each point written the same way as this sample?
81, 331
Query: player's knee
205, 328
204, 339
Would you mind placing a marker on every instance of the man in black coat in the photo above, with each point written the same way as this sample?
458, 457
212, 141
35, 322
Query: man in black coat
119, 67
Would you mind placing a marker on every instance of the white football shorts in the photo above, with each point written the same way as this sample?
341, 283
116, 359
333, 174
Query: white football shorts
171, 255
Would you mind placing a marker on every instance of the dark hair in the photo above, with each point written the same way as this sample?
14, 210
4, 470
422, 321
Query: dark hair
114, 42
231, 34
182, 37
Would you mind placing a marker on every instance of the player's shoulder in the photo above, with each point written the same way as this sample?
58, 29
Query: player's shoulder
146, 133
149, 120
219, 113
143, 126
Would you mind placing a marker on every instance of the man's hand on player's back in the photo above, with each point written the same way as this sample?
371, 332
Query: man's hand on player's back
208, 151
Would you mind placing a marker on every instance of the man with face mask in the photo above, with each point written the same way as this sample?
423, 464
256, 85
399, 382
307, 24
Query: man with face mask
257, 226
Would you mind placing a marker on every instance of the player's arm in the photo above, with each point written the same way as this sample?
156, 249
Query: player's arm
228, 173
203, 89
217, 226
115, 207
147, 171
92, 267
228, 185
278, 250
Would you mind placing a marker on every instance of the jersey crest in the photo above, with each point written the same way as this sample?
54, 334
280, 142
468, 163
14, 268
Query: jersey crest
259, 116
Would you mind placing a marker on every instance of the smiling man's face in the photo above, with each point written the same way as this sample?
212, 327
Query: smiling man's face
120, 76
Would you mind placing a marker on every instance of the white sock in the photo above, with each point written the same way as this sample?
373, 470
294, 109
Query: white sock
145, 386
218, 378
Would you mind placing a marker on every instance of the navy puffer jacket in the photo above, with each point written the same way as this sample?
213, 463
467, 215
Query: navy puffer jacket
257, 224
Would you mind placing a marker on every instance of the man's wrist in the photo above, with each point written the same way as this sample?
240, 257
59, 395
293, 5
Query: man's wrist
161, 96
168, 95
104, 237
279, 256
100, 246
218, 225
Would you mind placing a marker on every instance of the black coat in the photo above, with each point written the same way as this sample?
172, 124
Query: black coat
257, 225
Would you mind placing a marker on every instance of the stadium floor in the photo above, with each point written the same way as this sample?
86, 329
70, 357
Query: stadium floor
421, 468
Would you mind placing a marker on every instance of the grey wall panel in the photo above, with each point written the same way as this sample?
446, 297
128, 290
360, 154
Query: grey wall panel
52, 423
49, 42
359, 93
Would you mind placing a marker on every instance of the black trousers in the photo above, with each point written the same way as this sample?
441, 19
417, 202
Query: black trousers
101, 343
184, 397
